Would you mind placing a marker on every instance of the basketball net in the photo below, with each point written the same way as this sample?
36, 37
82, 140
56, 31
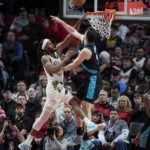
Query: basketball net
101, 21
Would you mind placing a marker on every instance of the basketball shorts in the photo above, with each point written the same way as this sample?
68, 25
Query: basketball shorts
90, 87
56, 91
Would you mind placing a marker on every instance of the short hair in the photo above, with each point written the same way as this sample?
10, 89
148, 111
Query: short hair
68, 106
91, 35
137, 95
21, 81
116, 87
113, 109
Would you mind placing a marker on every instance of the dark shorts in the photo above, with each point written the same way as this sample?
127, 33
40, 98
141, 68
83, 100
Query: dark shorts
90, 87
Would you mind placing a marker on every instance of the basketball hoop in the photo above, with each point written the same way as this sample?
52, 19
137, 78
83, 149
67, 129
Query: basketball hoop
101, 21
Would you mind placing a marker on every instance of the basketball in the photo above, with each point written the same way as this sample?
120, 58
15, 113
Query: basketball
79, 2
104, 55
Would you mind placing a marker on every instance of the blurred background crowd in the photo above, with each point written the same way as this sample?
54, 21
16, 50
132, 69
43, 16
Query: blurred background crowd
126, 75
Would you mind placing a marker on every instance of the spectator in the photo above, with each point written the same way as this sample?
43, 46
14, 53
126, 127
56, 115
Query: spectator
2, 115
69, 123
10, 136
33, 106
20, 21
4, 77
55, 140
107, 85
97, 118
124, 107
12, 56
146, 69
102, 105
21, 99
8, 104
30, 36
43, 100
139, 59
115, 78
115, 94
140, 83
128, 46
22, 122
139, 37
113, 41
138, 113
118, 58
42, 83
130, 93
115, 133
128, 72
122, 31
47, 27
21, 89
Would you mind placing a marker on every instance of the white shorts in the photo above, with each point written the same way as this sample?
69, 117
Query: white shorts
58, 93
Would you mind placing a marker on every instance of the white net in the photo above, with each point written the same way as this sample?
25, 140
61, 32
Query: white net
101, 23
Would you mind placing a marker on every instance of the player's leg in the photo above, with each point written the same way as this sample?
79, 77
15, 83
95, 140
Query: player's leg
49, 107
87, 108
92, 87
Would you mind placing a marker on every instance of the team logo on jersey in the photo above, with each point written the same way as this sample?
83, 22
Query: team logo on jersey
59, 89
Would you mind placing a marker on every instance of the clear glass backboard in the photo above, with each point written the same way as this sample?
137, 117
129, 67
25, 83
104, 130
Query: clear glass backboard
137, 11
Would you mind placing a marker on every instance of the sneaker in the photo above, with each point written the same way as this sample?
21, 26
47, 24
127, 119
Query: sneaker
86, 145
74, 141
24, 146
92, 127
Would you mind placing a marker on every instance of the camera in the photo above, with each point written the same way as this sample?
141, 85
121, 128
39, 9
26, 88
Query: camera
51, 130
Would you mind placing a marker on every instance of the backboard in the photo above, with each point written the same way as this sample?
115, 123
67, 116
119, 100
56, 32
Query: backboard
127, 11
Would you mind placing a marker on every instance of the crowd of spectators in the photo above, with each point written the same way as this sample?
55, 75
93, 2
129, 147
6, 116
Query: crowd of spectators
126, 76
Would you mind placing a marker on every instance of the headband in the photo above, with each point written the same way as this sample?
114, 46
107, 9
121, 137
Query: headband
44, 43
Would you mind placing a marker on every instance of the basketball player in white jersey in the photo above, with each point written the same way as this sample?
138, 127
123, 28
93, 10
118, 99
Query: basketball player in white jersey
55, 91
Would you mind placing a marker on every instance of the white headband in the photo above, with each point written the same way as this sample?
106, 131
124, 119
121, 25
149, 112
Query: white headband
44, 43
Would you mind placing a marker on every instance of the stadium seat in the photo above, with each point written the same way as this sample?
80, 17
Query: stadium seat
133, 131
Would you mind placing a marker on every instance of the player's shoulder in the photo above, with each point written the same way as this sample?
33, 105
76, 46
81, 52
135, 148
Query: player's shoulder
45, 58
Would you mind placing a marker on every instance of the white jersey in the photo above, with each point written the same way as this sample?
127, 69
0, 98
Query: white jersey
59, 76
55, 90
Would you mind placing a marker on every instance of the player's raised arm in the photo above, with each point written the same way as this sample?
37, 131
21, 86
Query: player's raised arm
85, 54
69, 28
62, 45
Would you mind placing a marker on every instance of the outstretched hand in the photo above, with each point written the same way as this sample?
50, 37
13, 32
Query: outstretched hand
55, 19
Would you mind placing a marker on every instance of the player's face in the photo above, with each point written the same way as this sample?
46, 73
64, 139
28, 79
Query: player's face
50, 47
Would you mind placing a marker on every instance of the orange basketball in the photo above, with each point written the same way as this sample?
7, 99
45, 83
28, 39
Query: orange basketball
79, 2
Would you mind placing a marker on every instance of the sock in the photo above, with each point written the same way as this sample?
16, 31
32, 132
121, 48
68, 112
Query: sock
86, 121
29, 139
79, 131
